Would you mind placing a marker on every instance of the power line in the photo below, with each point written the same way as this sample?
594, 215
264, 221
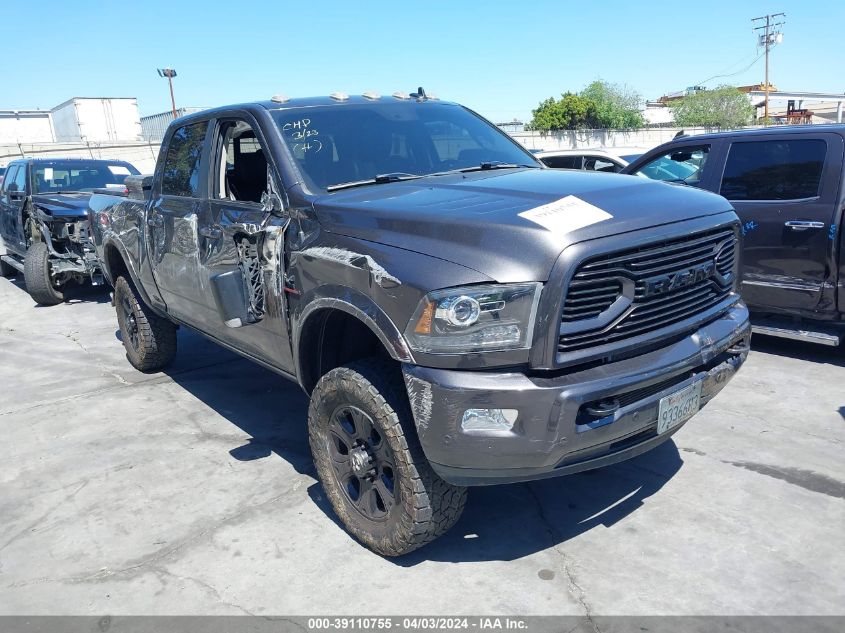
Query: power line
756, 59
772, 35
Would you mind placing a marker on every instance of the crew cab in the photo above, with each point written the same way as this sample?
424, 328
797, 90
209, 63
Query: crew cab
44, 230
786, 184
458, 314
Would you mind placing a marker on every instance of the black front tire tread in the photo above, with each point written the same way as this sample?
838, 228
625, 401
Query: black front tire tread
432, 506
157, 335
36, 266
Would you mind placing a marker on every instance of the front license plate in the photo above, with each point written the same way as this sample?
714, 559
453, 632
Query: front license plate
678, 407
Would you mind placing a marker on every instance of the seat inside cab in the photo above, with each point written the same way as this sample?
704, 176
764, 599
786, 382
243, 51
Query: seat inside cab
243, 165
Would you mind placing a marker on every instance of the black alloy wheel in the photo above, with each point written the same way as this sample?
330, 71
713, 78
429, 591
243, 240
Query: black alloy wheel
363, 462
130, 323
370, 462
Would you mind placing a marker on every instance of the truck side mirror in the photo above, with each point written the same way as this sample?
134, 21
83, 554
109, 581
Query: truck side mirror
139, 187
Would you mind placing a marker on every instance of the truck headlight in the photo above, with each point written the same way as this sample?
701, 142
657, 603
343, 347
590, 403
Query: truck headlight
475, 319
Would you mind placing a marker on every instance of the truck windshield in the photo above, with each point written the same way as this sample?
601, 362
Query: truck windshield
57, 176
385, 141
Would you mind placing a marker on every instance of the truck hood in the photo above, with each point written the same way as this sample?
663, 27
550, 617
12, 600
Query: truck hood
474, 219
63, 205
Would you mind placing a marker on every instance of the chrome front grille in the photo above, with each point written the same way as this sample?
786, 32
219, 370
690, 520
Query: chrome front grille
631, 292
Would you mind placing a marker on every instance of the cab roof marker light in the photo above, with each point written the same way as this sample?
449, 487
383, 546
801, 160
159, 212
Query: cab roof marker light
400, 95
279, 98
339, 96
372, 96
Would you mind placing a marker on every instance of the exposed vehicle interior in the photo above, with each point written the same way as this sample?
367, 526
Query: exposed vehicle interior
242, 165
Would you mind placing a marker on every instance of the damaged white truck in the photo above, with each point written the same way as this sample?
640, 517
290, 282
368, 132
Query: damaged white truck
458, 314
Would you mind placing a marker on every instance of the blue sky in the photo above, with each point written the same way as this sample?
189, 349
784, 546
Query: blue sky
499, 58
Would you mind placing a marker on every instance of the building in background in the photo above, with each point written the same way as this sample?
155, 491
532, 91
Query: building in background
30, 126
787, 108
97, 119
511, 126
799, 107
86, 119
154, 125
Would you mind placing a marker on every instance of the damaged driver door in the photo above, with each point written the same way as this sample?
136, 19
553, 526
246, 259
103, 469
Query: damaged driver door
172, 220
242, 246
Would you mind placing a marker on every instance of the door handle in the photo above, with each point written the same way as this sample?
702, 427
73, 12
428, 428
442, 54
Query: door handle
211, 232
155, 221
803, 225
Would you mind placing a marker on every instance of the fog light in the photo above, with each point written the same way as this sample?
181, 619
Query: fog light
489, 419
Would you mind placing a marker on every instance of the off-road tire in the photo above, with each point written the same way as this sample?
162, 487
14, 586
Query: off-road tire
154, 336
425, 506
36, 275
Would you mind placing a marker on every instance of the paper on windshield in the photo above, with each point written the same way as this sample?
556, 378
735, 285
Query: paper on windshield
119, 170
566, 215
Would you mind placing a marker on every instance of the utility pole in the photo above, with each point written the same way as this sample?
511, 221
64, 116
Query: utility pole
170, 74
771, 35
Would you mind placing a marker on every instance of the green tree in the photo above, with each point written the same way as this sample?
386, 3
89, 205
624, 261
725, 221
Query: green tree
722, 107
617, 107
570, 112
599, 105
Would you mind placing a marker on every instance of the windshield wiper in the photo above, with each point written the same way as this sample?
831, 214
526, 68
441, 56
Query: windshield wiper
399, 176
379, 179
485, 166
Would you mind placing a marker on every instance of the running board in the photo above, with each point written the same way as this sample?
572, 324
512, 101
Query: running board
822, 338
14, 263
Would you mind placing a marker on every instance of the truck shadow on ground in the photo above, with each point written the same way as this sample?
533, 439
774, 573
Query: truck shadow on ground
499, 523
512, 521
74, 293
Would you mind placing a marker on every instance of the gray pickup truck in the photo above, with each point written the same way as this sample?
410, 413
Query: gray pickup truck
458, 314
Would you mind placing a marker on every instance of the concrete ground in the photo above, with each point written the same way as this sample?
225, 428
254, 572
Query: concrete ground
192, 492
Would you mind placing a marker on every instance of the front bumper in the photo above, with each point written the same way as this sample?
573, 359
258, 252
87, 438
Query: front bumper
553, 433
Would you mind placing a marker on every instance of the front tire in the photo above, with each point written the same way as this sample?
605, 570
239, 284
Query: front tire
149, 340
370, 463
36, 274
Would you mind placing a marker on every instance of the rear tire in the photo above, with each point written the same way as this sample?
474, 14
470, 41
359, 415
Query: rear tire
149, 340
370, 463
39, 283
